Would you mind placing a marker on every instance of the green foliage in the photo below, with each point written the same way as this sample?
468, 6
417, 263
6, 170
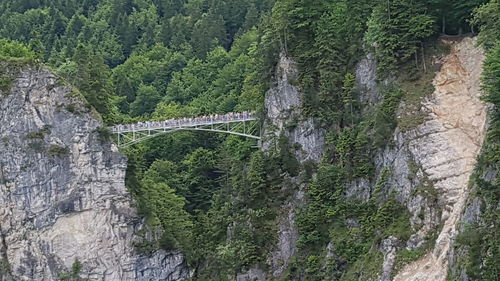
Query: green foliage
491, 83
214, 197
166, 215
453, 16
35, 135
11, 66
74, 274
57, 150
352, 227
199, 176
40, 134
75, 268
384, 120
145, 102
353, 151
64, 276
91, 76
325, 38
395, 29
4, 266
415, 81
103, 134
287, 157
381, 184
367, 267
407, 256
14, 49
324, 193
5, 84
483, 249
488, 19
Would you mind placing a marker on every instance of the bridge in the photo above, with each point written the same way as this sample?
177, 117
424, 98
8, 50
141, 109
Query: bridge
243, 124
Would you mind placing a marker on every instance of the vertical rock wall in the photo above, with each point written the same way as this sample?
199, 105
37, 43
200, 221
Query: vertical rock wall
445, 147
430, 165
62, 192
283, 104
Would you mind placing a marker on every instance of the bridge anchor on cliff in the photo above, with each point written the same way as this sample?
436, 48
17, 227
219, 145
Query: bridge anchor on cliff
243, 124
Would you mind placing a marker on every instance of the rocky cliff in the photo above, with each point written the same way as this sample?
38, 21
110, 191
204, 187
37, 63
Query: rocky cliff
283, 103
430, 164
445, 147
63, 202
64, 208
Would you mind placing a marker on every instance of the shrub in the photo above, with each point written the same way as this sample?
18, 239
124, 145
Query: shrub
5, 84
35, 135
4, 266
14, 49
40, 134
36, 146
385, 117
75, 268
103, 134
57, 151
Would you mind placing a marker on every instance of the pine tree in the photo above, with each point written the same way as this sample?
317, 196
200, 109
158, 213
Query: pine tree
395, 30
208, 32
93, 78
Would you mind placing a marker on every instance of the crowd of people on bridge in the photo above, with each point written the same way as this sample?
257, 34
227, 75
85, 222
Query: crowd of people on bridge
185, 121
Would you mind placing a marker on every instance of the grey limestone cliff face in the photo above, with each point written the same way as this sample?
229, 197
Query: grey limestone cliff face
283, 104
430, 165
62, 193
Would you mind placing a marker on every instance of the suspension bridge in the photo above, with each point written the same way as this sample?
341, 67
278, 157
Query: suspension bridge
243, 124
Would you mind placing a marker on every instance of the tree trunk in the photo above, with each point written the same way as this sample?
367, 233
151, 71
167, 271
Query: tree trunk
285, 44
352, 115
416, 58
444, 25
423, 58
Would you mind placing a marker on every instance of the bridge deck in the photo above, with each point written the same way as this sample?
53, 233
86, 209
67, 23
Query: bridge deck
183, 123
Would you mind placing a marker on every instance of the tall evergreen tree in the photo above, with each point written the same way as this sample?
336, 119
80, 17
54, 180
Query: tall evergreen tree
93, 78
395, 30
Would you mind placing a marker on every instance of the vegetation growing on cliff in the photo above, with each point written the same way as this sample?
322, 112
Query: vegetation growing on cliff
13, 55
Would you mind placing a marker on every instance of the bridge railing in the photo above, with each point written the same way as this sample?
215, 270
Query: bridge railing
185, 122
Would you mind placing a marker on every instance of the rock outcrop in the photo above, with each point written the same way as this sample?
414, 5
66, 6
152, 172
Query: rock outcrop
283, 103
430, 165
444, 150
63, 199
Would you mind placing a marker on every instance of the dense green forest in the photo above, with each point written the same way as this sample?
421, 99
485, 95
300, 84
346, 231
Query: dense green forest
137, 60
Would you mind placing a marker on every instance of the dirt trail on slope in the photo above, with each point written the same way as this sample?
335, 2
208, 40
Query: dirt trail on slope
447, 146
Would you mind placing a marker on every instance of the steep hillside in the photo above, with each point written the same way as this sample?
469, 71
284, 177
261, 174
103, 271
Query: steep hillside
64, 208
427, 167
66, 212
446, 146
